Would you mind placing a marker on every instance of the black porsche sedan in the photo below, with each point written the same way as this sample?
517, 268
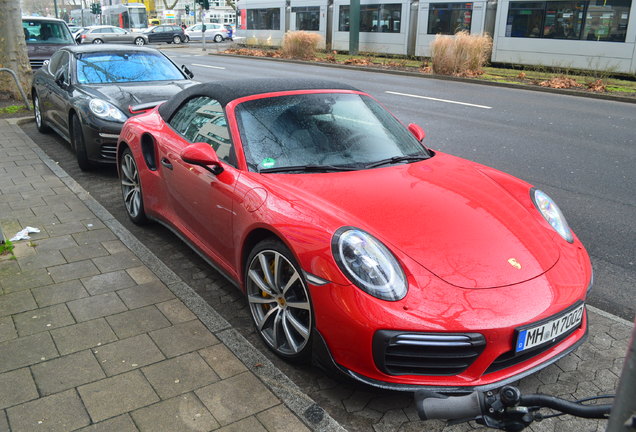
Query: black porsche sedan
86, 93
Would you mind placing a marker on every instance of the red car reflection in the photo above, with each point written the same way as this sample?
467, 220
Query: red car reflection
355, 244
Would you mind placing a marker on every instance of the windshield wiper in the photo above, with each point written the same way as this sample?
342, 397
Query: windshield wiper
396, 159
307, 168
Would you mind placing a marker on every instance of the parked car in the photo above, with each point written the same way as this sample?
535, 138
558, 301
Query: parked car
44, 36
396, 265
86, 93
213, 32
112, 34
74, 28
77, 33
166, 33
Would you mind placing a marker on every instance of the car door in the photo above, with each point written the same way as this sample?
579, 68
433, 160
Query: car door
58, 97
121, 36
202, 202
155, 34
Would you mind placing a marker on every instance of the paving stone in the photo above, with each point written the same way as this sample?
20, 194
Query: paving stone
137, 321
57, 243
182, 413
179, 375
78, 253
25, 280
16, 302
281, 419
146, 294
183, 338
65, 228
94, 236
7, 329
43, 260
358, 400
22, 251
226, 399
89, 308
4, 423
128, 354
75, 270
108, 282
122, 423
66, 372
84, 335
26, 351
22, 388
176, 311
142, 274
248, 424
115, 246
43, 319
60, 412
222, 360
59, 293
118, 261
117, 395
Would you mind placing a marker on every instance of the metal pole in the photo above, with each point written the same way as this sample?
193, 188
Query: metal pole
623, 416
202, 28
55, 6
354, 27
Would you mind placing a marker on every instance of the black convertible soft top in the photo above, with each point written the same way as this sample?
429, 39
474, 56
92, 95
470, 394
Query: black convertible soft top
227, 91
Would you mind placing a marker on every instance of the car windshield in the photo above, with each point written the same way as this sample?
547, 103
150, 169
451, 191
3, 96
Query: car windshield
46, 32
322, 131
120, 67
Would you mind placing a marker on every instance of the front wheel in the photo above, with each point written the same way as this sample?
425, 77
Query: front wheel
187, 38
279, 300
98, 41
79, 144
131, 188
37, 113
140, 41
218, 38
176, 39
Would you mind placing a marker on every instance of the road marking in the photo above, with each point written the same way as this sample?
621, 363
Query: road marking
208, 66
439, 100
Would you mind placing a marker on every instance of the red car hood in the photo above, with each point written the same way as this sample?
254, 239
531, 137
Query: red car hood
443, 213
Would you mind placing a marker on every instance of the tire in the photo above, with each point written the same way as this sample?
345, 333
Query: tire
176, 39
218, 38
79, 144
140, 41
98, 41
37, 114
279, 300
131, 188
187, 39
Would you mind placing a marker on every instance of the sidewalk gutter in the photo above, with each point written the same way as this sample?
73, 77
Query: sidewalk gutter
290, 394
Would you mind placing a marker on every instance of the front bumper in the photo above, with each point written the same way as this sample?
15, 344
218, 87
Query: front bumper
101, 140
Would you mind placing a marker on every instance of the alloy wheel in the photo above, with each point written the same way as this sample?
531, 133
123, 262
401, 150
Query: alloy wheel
130, 186
279, 303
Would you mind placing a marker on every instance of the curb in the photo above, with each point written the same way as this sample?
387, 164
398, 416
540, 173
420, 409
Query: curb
315, 417
567, 92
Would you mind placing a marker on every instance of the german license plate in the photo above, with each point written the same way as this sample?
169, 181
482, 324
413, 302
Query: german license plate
538, 334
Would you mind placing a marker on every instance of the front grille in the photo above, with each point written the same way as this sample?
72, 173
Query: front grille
36, 63
399, 353
109, 151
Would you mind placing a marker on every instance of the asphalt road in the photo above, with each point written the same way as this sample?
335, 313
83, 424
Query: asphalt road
555, 142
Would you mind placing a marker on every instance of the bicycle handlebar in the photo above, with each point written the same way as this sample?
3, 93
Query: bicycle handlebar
431, 405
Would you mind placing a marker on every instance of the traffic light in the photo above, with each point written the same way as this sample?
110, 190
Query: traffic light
93, 9
205, 4
99, 8
187, 9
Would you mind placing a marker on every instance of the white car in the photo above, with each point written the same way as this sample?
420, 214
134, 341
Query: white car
213, 32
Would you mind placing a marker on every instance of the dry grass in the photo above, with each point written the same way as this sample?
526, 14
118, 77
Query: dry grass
460, 55
560, 82
300, 45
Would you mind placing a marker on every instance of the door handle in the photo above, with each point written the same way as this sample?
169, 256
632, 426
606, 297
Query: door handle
165, 162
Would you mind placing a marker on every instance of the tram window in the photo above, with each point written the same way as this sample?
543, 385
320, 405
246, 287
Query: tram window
380, 18
449, 18
263, 19
600, 20
307, 18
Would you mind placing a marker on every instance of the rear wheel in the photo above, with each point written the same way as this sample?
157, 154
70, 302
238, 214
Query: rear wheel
79, 143
98, 41
140, 41
218, 38
187, 38
37, 113
176, 39
131, 188
279, 300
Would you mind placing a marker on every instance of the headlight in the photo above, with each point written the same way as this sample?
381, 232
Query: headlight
106, 111
368, 264
550, 211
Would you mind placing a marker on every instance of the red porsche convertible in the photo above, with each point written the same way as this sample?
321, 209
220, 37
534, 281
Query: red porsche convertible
354, 243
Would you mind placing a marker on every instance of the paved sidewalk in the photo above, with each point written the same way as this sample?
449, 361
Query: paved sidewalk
96, 334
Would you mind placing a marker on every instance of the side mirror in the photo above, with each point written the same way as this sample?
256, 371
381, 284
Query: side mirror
202, 154
60, 78
187, 71
417, 131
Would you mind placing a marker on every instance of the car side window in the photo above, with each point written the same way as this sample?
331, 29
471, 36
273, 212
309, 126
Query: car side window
56, 60
202, 119
118, 30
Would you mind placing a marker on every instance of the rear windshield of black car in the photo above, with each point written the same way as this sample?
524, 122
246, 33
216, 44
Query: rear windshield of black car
121, 67
46, 32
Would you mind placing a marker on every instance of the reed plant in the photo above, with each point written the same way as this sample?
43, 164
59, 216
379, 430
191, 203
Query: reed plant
300, 45
462, 54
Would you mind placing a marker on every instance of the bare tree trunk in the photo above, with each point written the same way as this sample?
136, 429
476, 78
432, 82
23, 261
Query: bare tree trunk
13, 50
170, 7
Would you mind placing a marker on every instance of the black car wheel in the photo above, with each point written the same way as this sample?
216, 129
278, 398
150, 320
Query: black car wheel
98, 41
279, 300
79, 143
176, 39
37, 113
140, 41
218, 38
131, 188
187, 38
